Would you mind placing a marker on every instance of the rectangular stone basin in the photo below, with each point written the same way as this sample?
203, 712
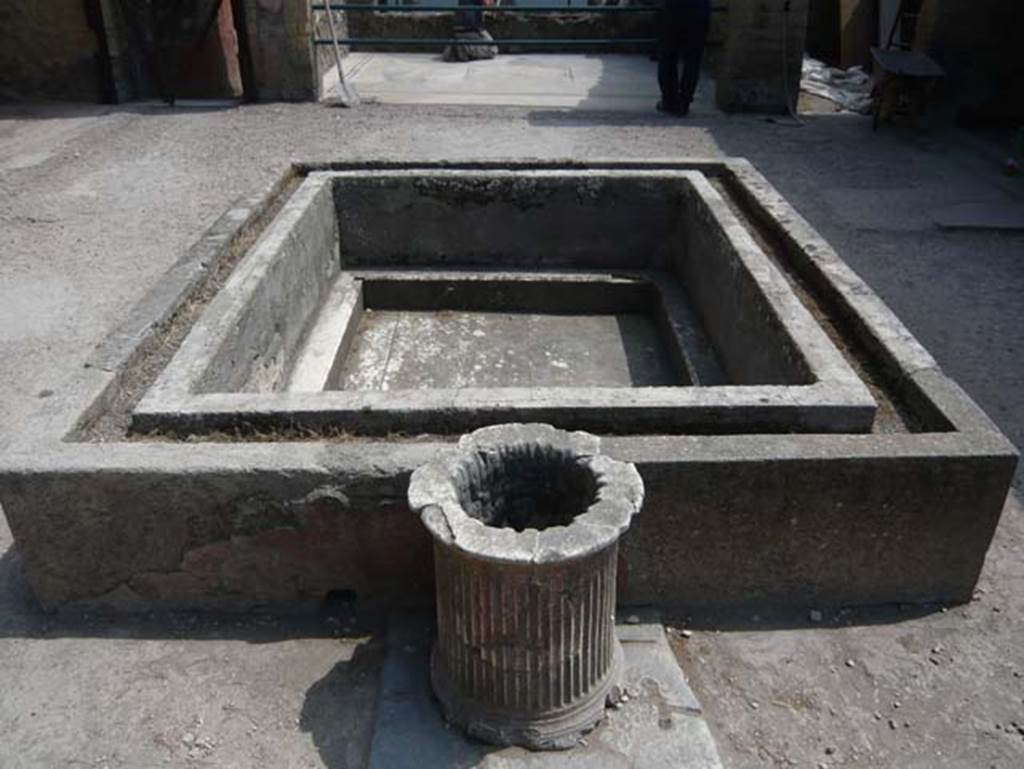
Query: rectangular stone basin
392, 302
252, 425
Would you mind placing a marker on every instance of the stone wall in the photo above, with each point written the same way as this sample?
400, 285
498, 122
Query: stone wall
280, 45
977, 42
89, 50
48, 50
759, 68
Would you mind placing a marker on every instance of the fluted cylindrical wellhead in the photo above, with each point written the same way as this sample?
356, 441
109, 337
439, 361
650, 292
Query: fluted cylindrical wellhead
526, 521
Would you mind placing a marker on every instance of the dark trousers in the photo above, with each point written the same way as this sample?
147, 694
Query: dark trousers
683, 30
469, 20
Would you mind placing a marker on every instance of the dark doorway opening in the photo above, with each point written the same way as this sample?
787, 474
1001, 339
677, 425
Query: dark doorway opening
186, 49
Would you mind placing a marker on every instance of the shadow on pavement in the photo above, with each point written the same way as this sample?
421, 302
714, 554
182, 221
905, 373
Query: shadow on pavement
327, 709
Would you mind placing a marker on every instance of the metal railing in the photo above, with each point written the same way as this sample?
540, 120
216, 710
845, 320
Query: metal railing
489, 9
567, 9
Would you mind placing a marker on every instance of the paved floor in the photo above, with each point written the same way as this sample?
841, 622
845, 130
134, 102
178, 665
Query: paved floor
397, 350
96, 202
590, 81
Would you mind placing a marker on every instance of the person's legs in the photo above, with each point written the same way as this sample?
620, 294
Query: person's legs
670, 35
469, 20
695, 35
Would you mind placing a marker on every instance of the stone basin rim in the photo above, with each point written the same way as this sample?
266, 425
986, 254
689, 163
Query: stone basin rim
434, 496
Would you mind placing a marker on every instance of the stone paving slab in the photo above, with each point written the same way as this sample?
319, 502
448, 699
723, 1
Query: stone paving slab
659, 726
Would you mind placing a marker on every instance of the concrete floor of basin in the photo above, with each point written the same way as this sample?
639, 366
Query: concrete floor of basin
395, 350
591, 81
96, 202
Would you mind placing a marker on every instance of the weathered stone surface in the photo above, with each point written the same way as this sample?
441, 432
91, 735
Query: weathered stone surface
526, 652
174, 536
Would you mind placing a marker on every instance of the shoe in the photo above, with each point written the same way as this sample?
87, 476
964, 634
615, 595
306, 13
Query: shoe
670, 109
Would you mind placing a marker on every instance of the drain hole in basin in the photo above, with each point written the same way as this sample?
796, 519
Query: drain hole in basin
525, 486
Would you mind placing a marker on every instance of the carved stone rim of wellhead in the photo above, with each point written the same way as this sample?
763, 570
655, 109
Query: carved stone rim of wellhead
434, 495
